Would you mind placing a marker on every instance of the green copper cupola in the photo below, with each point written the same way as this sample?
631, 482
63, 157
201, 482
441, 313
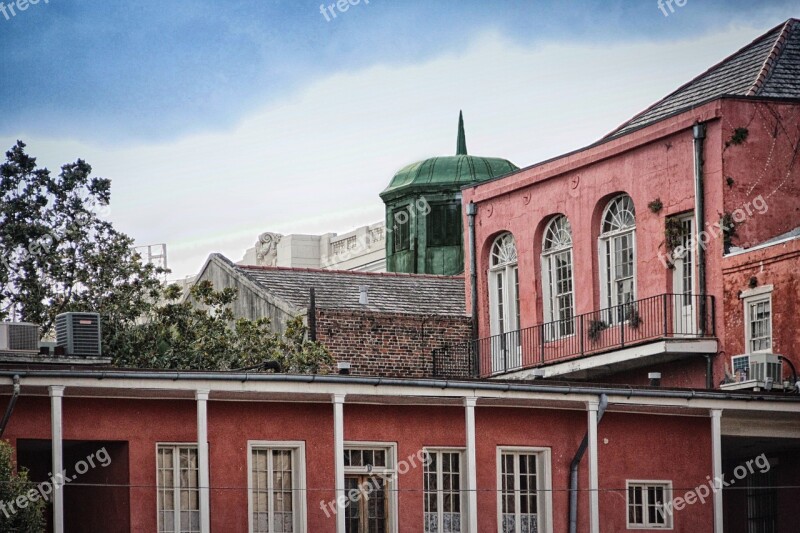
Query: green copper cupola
423, 209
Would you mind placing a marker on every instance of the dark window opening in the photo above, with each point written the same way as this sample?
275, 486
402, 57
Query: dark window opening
444, 225
401, 227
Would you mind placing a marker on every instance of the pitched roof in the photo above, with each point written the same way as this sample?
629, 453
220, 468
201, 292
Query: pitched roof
767, 67
339, 289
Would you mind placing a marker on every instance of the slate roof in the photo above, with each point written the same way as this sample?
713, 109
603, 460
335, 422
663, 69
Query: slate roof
338, 289
767, 67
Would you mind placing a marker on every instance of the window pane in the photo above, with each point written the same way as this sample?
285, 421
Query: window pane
380, 458
401, 227
444, 225
273, 486
442, 500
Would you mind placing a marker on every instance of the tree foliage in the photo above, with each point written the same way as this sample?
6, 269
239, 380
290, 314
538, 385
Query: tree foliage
13, 517
200, 332
58, 254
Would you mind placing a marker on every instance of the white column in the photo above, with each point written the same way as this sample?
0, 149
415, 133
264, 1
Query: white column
472, 466
56, 393
202, 460
594, 483
716, 459
338, 450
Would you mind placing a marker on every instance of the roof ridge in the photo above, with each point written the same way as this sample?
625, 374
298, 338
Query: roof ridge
698, 77
344, 272
772, 58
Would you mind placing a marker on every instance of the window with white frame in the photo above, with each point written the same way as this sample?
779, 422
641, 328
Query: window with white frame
504, 277
524, 498
758, 319
369, 470
276, 487
178, 490
647, 504
442, 491
557, 283
618, 256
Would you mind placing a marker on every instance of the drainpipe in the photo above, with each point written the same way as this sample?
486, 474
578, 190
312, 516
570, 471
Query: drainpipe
11, 404
699, 134
472, 210
573, 469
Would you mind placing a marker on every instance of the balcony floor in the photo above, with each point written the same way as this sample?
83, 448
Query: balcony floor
621, 360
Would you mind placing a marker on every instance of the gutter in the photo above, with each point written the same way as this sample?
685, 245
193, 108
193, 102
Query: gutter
573, 469
11, 404
468, 386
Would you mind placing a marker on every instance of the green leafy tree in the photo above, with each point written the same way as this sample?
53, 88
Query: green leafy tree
201, 333
58, 254
13, 517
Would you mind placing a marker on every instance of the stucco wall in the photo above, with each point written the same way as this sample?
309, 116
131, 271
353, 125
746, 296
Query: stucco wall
765, 167
632, 446
776, 265
656, 162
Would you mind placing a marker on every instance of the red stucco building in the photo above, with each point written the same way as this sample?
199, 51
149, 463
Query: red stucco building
588, 266
404, 455
584, 268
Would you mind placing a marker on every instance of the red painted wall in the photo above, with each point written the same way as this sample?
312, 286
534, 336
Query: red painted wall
232, 424
654, 162
639, 446
412, 428
647, 447
764, 166
775, 265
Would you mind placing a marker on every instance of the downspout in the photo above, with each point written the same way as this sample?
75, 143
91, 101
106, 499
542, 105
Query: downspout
11, 404
699, 134
573, 469
472, 210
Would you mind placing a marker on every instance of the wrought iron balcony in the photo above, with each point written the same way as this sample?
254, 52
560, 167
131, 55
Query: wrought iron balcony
666, 316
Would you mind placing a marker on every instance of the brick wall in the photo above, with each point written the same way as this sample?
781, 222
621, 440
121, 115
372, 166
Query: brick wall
393, 344
777, 265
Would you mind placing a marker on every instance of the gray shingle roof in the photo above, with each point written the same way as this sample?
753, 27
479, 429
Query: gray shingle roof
767, 67
388, 293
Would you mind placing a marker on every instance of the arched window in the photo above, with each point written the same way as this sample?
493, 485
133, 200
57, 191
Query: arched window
557, 283
618, 254
504, 276
504, 303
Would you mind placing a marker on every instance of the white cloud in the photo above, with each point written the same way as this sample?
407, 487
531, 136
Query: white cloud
317, 161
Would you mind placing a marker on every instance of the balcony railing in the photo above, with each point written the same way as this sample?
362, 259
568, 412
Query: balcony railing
659, 317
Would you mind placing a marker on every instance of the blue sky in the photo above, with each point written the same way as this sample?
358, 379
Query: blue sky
204, 114
153, 69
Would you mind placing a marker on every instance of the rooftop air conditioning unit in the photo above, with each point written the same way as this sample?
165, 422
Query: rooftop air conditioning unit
756, 369
19, 337
79, 334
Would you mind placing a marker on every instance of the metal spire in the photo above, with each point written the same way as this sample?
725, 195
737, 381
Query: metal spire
461, 146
